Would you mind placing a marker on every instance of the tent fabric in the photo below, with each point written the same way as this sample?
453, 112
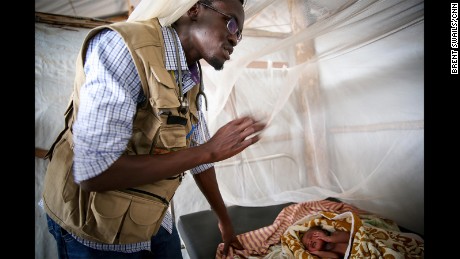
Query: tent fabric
167, 11
340, 84
84, 8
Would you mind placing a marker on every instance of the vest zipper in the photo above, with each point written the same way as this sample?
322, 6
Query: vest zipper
162, 199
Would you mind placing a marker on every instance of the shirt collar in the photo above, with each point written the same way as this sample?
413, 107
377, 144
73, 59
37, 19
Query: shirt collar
170, 56
171, 62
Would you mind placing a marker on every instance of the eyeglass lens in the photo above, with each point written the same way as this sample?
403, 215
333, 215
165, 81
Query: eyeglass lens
232, 27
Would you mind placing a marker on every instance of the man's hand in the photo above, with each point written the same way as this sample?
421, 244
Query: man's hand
229, 238
233, 137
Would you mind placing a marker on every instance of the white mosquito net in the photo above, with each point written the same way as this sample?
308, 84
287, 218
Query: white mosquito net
342, 89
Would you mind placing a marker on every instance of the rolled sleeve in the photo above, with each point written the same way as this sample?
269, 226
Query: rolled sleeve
108, 101
200, 136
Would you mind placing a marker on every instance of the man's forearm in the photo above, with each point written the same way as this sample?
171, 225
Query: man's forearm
207, 182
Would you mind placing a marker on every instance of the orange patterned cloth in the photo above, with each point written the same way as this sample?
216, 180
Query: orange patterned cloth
370, 236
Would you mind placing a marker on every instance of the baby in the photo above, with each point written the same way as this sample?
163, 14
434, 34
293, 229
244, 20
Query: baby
321, 243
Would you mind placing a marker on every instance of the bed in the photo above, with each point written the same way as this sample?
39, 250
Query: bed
272, 231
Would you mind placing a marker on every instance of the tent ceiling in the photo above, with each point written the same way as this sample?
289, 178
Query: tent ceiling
272, 18
83, 8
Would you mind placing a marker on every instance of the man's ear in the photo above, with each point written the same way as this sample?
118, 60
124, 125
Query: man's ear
193, 11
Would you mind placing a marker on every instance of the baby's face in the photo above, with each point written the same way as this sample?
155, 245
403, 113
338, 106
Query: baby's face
311, 241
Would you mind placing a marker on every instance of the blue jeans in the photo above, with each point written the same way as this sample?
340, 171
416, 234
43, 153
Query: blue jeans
163, 246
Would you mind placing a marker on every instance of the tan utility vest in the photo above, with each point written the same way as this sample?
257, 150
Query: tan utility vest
135, 214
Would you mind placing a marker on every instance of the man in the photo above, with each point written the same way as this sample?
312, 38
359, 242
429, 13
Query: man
133, 126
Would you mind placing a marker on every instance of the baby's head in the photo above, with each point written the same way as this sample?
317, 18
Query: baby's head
311, 241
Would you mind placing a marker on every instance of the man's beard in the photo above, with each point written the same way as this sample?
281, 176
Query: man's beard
216, 64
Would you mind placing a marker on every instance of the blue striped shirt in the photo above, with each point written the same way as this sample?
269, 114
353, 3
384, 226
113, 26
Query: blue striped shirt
108, 102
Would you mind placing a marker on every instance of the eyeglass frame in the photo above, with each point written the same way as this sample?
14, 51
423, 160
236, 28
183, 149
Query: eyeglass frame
238, 33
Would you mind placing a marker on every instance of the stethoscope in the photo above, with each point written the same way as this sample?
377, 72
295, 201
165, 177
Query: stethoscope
184, 105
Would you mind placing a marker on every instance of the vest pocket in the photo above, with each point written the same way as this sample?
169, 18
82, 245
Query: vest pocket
173, 136
61, 195
118, 218
142, 220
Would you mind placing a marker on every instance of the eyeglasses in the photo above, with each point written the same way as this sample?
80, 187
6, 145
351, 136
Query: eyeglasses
232, 25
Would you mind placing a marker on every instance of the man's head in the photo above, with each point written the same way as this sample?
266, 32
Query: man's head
210, 30
311, 241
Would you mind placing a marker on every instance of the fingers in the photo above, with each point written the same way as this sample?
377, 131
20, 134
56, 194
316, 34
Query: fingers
233, 138
247, 121
249, 132
248, 127
235, 243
